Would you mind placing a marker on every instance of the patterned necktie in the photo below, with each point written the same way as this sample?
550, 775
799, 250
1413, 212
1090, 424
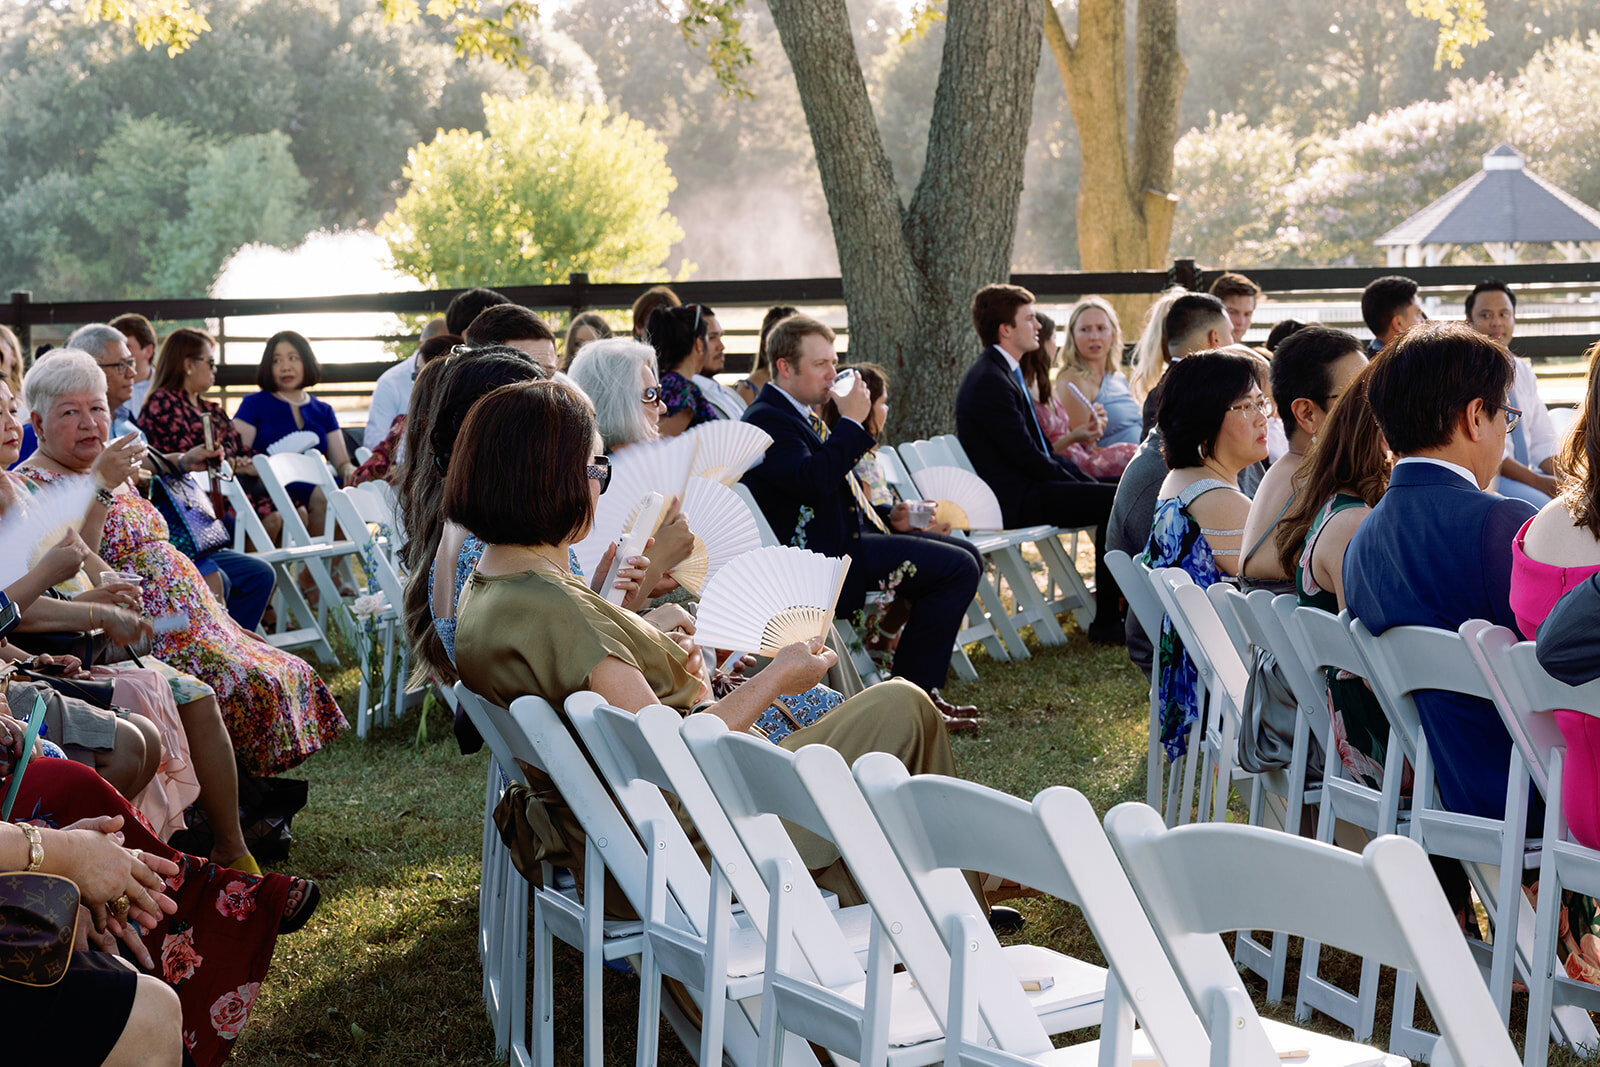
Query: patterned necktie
1027, 399
863, 501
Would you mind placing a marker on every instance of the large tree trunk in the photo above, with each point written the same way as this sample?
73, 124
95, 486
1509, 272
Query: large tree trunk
909, 274
1125, 199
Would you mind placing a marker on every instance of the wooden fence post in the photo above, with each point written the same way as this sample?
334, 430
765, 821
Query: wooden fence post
1185, 273
578, 282
22, 323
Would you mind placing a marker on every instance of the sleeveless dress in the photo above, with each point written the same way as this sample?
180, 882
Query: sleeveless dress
276, 709
1124, 417
1360, 730
1177, 540
1535, 588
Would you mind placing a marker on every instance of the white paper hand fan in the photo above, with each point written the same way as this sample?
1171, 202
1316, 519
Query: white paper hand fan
725, 449
637, 470
35, 523
965, 500
723, 528
768, 598
296, 441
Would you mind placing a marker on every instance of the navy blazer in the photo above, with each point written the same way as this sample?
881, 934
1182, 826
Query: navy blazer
1437, 552
995, 425
801, 470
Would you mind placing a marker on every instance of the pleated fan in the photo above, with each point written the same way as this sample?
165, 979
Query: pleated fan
769, 597
723, 528
649, 466
965, 500
36, 522
725, 449
295, 441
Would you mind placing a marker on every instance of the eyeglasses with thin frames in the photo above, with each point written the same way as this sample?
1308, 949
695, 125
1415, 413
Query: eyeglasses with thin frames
121, 366
600, 470
1252, 408
1513, 416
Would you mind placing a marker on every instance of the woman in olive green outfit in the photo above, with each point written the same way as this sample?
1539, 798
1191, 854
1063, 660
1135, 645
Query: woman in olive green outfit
527, 471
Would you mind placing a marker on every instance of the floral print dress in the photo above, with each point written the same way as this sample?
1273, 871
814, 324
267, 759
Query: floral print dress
216, 948
276, 709
678, 392
1177, 540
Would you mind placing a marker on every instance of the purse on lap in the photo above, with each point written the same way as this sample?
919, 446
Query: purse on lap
38, 922
788, 714
193, 525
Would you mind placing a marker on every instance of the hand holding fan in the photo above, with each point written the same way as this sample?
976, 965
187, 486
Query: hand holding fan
768, 598
725, 449
636, 471
965, 500
641, 527
723, 530
35, 523
297, 441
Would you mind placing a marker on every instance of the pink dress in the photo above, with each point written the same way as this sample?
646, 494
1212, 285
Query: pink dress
1535, 588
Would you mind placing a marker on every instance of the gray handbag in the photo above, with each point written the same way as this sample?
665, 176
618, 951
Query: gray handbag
1266, 737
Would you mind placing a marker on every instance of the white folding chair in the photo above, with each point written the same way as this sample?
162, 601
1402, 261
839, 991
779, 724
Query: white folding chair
297, 625
357, 511
1401, 662
714, 950
1323, 641
1384, 904
939, 826
279, 472
1134, 580
872, 1017
1527, 699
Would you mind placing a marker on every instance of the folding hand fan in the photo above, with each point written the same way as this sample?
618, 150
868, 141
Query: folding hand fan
722, 526
641, 526
297, 441
965, 500
647, 467
726, 449
768, 598
36, 522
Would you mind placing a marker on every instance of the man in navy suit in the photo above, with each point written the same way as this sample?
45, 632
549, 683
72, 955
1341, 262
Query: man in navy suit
807, 489
996, 424
1436, 551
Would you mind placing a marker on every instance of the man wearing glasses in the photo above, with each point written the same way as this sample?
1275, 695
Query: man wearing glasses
1528, 470
1436, 550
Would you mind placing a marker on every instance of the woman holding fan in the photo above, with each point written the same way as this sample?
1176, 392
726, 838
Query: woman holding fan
527, 472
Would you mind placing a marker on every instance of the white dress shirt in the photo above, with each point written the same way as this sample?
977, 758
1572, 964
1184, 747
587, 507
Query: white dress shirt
390, 398
728, 403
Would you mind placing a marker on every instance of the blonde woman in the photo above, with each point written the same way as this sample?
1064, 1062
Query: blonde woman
1093, 364
1150, 355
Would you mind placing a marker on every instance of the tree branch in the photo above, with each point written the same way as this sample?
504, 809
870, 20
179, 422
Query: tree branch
1160, 73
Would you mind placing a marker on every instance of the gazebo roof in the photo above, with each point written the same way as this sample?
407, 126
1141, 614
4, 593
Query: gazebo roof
1503, 202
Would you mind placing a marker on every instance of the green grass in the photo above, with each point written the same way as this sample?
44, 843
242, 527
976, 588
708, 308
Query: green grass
387, 970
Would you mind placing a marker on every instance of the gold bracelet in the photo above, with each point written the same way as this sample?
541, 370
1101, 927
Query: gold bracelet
35, 846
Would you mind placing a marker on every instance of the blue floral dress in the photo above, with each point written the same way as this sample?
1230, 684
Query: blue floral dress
1177, 540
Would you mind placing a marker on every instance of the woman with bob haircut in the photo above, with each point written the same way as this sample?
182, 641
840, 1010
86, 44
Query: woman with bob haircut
525, 477
619, 376
1342, 477
1213, 422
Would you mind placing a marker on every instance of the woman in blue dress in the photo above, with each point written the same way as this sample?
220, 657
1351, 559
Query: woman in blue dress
1213, 420
282, 406
1093, 364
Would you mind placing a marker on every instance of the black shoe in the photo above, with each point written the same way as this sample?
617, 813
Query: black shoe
1108, 633
1004, 920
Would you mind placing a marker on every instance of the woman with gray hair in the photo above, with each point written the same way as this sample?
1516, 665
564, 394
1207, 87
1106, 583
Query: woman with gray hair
619, 376
276, 709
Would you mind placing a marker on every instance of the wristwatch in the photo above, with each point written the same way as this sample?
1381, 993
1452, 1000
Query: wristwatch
9, 615
35, 846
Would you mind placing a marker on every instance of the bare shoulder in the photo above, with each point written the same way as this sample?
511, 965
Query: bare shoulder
1221, 509
1553, 538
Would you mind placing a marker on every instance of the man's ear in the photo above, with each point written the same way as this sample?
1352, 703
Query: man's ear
1304, 410
1213, 338
1474, 423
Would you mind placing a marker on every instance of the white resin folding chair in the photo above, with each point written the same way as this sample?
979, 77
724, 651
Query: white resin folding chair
279, 472
1001, 547
1527, 699
872, 1016
1384, 904
1401, 662
1134, 579
367, 520
1066, 589
1323, 641
939, 826
297, 624
987, 621
714, 949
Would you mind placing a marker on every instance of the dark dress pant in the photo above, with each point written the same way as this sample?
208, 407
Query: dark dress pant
1071, 505
941, 586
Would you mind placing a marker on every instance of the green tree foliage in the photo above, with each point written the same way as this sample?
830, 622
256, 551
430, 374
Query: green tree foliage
551, 186
1232, 175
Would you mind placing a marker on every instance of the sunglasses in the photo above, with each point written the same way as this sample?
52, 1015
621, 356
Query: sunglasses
651, 395
600, 471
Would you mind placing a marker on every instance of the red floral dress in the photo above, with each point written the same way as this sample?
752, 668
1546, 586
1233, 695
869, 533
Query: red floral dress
216, 948
276, 709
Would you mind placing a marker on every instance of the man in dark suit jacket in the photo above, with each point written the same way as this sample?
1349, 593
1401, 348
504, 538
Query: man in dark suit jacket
807, 489
996, 424
1436, 551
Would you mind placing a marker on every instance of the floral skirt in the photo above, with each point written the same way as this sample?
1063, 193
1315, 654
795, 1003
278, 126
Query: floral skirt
216, 948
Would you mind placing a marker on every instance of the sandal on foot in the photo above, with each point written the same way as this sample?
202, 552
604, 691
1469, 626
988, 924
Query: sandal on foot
297, 915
